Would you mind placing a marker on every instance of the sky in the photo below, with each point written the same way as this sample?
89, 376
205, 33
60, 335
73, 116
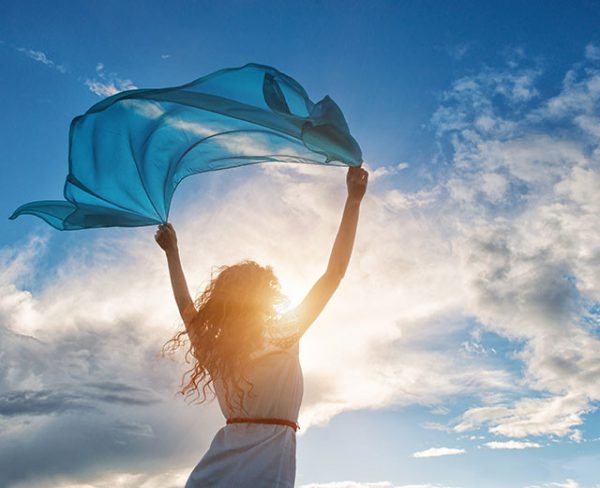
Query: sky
462, 349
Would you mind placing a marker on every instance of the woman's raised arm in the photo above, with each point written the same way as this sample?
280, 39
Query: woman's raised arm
323, 289
167, 239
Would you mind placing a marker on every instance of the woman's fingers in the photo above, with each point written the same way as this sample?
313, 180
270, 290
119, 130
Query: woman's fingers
159, 234
358, 174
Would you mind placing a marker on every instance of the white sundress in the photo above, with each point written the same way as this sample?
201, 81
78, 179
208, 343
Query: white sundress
248, 455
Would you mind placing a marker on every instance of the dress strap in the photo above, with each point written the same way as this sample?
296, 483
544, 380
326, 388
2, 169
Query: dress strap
289, 423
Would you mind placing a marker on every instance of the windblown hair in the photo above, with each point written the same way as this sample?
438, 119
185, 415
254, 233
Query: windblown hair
231, 316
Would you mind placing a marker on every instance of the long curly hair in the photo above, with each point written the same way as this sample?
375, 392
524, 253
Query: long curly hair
232, 315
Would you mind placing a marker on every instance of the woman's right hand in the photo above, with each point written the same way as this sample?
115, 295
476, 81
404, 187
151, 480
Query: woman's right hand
166, 237
356, 180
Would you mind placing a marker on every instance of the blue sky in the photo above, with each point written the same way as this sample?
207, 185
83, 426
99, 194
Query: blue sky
470, 312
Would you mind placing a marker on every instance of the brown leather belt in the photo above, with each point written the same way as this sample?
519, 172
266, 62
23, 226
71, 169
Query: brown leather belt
289, 423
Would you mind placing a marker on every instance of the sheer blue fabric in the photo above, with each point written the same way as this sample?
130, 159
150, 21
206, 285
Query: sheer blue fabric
128, 153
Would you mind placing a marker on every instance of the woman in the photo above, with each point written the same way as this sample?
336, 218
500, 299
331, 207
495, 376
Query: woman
246, 354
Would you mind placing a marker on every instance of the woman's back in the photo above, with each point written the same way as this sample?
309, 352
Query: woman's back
256, 454
276, 378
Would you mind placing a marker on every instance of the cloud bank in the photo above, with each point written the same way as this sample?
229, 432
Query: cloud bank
504, 241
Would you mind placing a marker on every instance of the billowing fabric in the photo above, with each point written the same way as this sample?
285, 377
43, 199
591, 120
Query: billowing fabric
257, 455
128, 153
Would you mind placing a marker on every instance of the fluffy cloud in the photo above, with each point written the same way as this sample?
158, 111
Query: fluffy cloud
529, 245
438, 451
512, 445
507, 238
41, 57
107, 84
81, 363
81, 382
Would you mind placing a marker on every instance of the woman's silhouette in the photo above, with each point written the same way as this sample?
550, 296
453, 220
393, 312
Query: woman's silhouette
242, 350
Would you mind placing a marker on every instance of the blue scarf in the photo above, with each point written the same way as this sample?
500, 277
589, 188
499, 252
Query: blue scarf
128, 153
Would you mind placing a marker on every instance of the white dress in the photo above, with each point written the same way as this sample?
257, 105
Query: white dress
249, 455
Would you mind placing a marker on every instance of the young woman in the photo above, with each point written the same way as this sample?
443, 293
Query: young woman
247, 355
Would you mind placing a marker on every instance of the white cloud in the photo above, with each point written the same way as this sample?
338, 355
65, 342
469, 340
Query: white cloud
555, 415
107, 89
438, 451
107, 84
397, 200
90, 372
350, 484
576, 436
569, 483
436, 426
386, 171
41, 57
592, 52
440, 410
358, 484
117, 480
530, 249
579, 96
512, 445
